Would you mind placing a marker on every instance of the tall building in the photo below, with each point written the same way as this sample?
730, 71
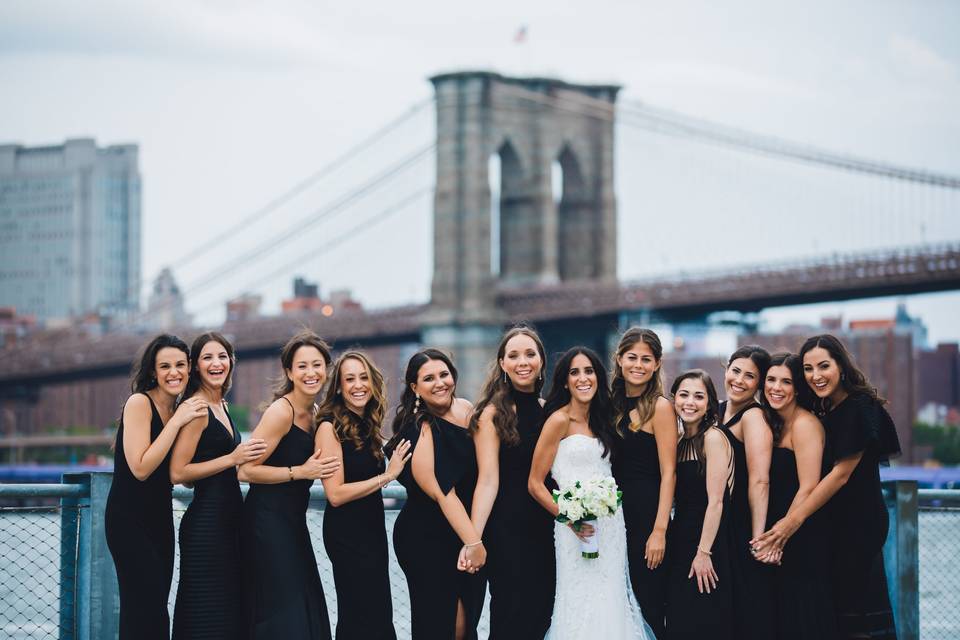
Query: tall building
69, 229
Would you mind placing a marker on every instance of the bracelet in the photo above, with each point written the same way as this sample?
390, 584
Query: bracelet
379, 482
709, 553
473, 544
290, 471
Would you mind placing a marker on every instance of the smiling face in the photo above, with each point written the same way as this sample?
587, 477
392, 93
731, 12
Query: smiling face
821, 372
213, 365
171, 368
637, 366
741, 380
355, 385
435, 385
691, 400
582, 379
778, 387
521, 362
308, 370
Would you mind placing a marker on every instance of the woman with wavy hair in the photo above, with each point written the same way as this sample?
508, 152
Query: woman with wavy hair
354, 534
644, 465
506, 424
437, 546
860, 436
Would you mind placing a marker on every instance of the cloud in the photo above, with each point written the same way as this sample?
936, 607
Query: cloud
915, 61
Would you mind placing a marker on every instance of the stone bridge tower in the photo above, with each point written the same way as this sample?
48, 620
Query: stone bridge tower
548, 217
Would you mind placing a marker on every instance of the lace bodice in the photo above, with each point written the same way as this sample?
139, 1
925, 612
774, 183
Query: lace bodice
578, 458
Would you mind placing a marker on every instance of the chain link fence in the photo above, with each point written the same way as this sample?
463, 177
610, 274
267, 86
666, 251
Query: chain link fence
38, 581
938, 522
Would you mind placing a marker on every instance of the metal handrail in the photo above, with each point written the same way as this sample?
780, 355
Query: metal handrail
49, 490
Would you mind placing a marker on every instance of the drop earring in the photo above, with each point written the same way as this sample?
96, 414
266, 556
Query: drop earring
416, 404
504, 377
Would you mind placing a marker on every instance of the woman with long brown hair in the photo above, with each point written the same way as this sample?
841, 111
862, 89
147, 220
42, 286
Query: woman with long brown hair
354, 534
283, 589
644, 465
506, 423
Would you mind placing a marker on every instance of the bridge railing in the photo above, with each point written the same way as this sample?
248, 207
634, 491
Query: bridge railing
57, 578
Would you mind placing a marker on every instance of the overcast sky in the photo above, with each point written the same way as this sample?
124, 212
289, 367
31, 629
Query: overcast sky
232, 103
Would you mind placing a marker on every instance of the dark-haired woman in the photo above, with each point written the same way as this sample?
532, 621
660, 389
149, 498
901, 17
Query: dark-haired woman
860, 435
744, 424
206, 454
139, 513
507, 422
436, 544
804, 607
699, 595
593, 598
283, 591
354, 532
644, 465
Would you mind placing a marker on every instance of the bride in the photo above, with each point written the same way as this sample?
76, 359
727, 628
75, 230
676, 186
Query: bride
594, 599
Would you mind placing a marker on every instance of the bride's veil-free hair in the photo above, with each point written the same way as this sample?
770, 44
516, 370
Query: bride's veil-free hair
601, 408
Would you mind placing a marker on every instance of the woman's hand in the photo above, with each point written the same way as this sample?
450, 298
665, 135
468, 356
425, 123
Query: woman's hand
248, 451
472, 558
656, 548
777, 536
189, 410
702, 568
398, 460
317, 468
582, 530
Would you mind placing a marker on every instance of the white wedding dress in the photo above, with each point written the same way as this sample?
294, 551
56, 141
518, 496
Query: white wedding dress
594, 598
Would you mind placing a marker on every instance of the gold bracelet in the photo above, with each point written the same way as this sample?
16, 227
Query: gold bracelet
473, 544
709, 553
290, 471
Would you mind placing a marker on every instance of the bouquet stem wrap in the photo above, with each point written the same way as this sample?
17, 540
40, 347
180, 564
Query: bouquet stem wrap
591, 548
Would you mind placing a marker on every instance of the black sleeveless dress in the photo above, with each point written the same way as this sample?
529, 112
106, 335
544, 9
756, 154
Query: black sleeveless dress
521, 565
636, 468
283, 591
692, 615
804, 604
752, 582
355, 537
209, 599
139, 529
427, 547
858, 519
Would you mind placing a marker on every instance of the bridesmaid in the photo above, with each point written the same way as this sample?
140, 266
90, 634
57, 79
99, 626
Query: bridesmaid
644, 465
436, 544
354, 532
804, 608
139, 512
284, 594
699, 597
506, 425
860, 436
744, 424
206, 454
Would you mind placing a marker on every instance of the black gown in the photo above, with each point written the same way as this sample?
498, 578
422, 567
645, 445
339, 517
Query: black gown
636, 468
426, 545
283, 591
692, 615
858, 517
803, 595
209, 599
355, 537
521, 565
753, 602
139, 529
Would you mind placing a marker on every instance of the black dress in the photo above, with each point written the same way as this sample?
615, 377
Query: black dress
858, 517
521, 564
804, 604
209, 599
692, 615
427, 547
139, 528
283, 590
753, 603
636, 468
355, 537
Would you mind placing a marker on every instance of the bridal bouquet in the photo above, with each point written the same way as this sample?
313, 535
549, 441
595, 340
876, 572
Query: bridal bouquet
584, 502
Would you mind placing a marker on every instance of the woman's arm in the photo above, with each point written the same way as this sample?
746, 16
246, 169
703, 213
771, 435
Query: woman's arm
273, 425
142, 456
487, 443
340, 492
554, 430
183, 471
717, 449
758, 442
665, 433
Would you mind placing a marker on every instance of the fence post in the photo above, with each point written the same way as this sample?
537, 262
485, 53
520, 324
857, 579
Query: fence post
902, 558
97, 597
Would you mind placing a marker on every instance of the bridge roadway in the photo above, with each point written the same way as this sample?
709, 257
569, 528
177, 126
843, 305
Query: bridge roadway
62, 356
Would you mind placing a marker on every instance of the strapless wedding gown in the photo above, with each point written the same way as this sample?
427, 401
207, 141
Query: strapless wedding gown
594, 598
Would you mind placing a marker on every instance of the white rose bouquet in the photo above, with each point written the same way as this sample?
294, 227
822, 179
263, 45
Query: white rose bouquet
585, 502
